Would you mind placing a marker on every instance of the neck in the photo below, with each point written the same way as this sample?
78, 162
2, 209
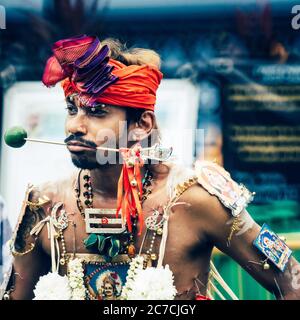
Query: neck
105, 180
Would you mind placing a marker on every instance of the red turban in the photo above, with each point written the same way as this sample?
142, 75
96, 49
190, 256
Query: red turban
85, 68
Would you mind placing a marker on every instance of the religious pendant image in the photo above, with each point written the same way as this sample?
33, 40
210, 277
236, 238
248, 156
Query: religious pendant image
269, 243
103, 221
105, 282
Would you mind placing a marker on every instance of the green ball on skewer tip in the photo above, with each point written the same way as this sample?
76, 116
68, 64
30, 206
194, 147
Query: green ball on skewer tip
15, 137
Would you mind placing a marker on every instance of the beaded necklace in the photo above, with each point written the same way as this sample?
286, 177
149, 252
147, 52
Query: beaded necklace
127, 246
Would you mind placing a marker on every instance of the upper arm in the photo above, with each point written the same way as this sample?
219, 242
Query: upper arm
26, 271
30, 261
242, 250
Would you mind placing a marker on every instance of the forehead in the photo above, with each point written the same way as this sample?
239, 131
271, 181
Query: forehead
75, 99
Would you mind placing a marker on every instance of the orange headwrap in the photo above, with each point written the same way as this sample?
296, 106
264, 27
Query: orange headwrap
136, 86
85, 68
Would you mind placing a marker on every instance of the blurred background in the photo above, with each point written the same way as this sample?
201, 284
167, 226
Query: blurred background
231, 69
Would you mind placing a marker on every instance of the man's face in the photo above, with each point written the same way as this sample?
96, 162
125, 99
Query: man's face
86, 128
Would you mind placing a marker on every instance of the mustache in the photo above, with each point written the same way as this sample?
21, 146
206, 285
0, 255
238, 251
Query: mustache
74, 137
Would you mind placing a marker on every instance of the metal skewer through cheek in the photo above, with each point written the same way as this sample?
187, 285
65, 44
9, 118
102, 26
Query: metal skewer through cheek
16, 137
44, 141
64, 144
98, 148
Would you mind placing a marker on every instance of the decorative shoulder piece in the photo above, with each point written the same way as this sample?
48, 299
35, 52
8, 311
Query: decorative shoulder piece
275, 249
217, 181
29, 189
33, 202
36, 205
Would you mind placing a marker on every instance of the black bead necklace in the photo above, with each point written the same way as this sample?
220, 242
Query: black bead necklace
88, 193
127, 246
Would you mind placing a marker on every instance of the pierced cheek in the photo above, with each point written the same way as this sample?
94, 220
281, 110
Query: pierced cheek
104, 136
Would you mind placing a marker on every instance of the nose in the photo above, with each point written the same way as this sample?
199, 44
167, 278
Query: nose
77, 124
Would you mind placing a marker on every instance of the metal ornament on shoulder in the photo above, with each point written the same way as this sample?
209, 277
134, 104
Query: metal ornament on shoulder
59, 217
62, 220
35, 206
103, 221
152, 222
217, 181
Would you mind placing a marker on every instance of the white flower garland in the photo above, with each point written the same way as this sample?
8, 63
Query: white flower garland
141, 284
52, 286
148, 284
76, 282
135, 266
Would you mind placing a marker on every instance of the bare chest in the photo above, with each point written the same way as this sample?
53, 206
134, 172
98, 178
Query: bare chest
184, 251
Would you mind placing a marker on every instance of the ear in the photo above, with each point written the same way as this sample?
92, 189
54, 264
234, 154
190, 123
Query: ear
142, 129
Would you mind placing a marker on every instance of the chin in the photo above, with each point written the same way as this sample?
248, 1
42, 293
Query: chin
84, 162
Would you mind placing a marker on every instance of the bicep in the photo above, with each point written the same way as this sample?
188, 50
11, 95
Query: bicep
237, 242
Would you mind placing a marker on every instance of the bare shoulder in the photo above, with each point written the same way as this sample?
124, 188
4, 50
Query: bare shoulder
203, 205
36, 206
215, 196
54, 190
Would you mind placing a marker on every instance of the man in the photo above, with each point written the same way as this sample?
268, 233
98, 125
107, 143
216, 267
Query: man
110, 212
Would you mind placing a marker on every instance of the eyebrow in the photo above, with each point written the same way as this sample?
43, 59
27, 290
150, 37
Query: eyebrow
101, 106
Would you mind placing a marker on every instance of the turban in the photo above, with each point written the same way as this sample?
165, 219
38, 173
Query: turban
84, 67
